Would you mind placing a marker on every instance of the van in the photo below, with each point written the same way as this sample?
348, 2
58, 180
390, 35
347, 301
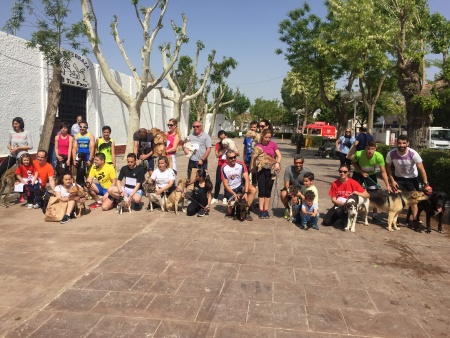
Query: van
438, 138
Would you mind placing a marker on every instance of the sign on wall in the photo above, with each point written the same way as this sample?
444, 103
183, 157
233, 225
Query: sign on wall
75, 72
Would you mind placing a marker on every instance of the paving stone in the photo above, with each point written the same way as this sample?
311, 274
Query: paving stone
223, 310
184, 329
174, 307
77, 300
326, 319
280, 315
228, 331
124, 327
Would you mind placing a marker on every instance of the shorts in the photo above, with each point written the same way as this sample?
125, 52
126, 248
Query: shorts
237, 190
101, 191
407, 184
128, 191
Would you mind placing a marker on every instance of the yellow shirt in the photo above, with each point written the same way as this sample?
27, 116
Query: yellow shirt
104, 176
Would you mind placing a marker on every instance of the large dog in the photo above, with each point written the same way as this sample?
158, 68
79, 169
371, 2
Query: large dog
394, 203
7, 185
260, 160
435, 205
240, 207
352, 206
175, 197
81, 193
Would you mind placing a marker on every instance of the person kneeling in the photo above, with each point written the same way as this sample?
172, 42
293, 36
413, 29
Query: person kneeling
201, 195
309, 212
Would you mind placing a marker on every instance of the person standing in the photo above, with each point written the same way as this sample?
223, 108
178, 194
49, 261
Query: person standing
407, 164
202, 144
84, 143
264, 176
64, 144
76, 126
299, 140
362, 139
51, 149
173, 140
20, 142
343, 145
107, 146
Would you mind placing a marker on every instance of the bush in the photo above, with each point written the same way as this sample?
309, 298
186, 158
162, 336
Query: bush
285, 135
440, 179
233, 134
383, 149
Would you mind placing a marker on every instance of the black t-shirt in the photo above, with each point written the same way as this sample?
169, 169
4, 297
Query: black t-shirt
136, 173
362, 139
145, 145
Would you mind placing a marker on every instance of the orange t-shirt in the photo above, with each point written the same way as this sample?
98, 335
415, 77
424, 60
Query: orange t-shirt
44, 172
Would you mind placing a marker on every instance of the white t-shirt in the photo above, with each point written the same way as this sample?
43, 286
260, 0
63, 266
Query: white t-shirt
162, 178
63, 190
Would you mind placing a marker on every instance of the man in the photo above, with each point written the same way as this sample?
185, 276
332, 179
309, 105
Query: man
362, 139
293, 175
44, 169
365, 163
134, 176
76, 126
143, 148
343, 145
299, 140
235, 179
340, 191
407, 164
84, 142
202, 145
106, 177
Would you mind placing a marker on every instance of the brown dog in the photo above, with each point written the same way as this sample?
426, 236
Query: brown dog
260, 160
81, 193
175, 197
394, 203
7, 185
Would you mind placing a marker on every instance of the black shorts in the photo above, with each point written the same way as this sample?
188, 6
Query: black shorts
238, 190
407, 184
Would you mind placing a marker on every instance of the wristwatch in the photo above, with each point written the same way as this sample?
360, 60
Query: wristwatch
425, 183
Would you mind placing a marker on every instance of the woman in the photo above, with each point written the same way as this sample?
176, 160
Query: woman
63, 144
343, 145
19, 143
173, 139
222, 159
164, 177
264, 176
265, 124
201, 195
61, 192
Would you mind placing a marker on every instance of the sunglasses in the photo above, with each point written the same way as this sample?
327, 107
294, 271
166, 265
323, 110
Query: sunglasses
196, 126
343, 171
83, 127
170, 125
232, 158
262, 126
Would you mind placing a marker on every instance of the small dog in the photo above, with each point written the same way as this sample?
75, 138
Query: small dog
159, 150
42, 197
81, 193
124, 203
160, 199
190, 148
7, 185
394, 203
82, 170
354, 204
254, 135
175, 197
61, 168
435, 205
240, 208
260, 160
229, 144
293, 201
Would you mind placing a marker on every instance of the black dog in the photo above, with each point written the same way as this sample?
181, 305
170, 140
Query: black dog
435, 205
42, 198
82, 170
61, 169
240, 207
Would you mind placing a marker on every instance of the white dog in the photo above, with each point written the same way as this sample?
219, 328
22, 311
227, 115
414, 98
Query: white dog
354, 204
229, 144
124, 204
161, 200
188, 145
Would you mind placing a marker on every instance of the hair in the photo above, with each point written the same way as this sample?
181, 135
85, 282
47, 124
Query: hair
344, 166
299, 157
201, 172
25, 155
253, 123
20, 121
230, 151
164, 158
309, 175
43, 151
65, 125
265, 132
362, 129
402, 138
267, 123
85, 122
310, 195
101, 156
371, 144
221, 132
133, 155
175, 123
106, 128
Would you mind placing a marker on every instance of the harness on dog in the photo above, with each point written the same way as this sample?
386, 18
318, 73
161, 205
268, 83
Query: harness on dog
399, 195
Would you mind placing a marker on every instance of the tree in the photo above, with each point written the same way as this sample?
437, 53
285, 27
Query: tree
237, 108
51, 35
183, 79
146, 80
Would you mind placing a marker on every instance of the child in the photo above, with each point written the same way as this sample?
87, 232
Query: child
106, 145
201, 195
308, 184
27, 174
309, 213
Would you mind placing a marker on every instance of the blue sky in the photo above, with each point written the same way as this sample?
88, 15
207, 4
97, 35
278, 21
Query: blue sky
246, 30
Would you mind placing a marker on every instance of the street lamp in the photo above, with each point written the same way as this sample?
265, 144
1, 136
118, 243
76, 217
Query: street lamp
354, 97
298, 112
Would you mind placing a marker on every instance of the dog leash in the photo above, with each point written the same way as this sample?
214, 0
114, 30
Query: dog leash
376, 184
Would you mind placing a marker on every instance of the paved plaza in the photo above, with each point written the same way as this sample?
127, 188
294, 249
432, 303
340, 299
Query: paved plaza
154, 274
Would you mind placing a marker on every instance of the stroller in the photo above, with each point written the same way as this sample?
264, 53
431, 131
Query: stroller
327, 149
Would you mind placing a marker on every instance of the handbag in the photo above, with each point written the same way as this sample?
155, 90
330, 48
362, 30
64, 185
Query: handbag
56, 210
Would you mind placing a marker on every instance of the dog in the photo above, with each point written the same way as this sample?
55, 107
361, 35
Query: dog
394, 203
124, 203
82, 170
229, 144
61, 168
78, 191
159, 150
435, 205
42, 197
260, 160
7, 185
187, 145
352, 206
150, 191
175, 197
293, 201
240, 207
254, 135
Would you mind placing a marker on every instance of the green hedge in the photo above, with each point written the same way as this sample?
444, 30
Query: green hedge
437, 166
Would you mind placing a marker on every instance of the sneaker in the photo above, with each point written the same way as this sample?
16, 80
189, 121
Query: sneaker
304, 226
201, 213
266, 215
261, 215
30, 206
35, 206
214, 201
224, 201
248, 217
286, 213
73, 215
137, 207
65, 219
315, 227
21, 199
95, 205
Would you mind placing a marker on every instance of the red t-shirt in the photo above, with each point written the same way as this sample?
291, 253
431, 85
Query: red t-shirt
344, 190
223, 158
26, 171
44, 172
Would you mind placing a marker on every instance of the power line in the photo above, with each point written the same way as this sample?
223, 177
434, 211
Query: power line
263, 81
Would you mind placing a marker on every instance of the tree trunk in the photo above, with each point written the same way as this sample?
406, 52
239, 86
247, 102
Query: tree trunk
177, 109
213, 121
133, 126
53, 98
371, 109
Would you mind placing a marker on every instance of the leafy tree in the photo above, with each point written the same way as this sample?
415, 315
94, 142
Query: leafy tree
267, 109
146, 80
51, 35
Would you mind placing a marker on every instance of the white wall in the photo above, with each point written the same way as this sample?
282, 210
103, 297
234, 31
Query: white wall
23, 92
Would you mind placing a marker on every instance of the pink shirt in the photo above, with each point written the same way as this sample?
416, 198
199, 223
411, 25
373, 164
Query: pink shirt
170, 142
269, 149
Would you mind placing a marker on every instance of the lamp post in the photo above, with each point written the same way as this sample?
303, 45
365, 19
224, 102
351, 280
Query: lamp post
354, 97
298, 112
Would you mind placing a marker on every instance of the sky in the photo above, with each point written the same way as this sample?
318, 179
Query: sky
246, 30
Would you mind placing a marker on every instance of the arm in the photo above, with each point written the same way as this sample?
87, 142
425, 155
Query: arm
56, 149
35, 177
20, 179
336, 202
338, 149
69, 152
385, 178
422, 172
278, 157
227, 187
113, 153
91, 148
135, 148
75, 149
358, 169
51, 181
205, 156
247, 184
364, 194
390, 176
167, 187
218, 152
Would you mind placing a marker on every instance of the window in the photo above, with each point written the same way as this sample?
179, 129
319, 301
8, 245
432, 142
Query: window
72, 103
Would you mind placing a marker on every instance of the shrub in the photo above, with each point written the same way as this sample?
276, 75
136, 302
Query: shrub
440, 180
383, 149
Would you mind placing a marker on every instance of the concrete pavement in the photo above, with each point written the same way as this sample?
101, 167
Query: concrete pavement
165, 275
